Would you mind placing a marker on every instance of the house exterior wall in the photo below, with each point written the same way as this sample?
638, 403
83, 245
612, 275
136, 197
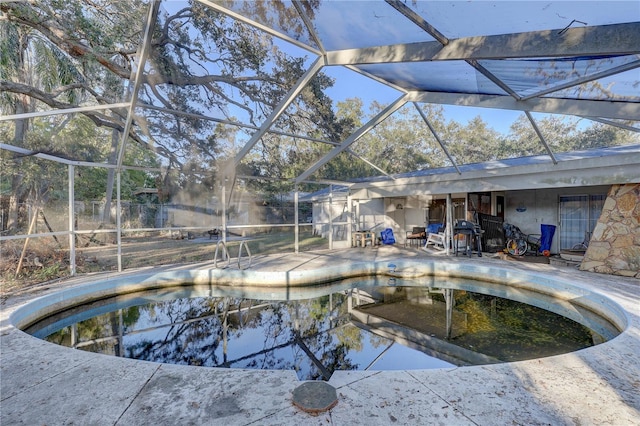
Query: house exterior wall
542, 207
371, 215
527, 209
415, 212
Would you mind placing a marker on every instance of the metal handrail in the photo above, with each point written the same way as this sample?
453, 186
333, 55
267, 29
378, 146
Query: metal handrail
246, 247
225, 252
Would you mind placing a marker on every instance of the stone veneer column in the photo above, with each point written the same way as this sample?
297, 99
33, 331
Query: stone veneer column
615, 244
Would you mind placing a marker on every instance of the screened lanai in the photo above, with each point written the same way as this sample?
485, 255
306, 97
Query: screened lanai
128, 126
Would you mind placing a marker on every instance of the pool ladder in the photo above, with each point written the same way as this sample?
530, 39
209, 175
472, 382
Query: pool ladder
224, 253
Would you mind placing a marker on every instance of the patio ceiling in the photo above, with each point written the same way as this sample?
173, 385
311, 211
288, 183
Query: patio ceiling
524, 56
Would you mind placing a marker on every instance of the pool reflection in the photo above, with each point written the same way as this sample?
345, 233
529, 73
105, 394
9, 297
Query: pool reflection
355, 327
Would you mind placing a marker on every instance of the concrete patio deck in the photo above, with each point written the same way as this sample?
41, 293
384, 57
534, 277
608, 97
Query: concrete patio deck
42, 383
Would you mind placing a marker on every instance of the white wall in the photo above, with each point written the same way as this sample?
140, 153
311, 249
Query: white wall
414, 212
370, 214
542, 207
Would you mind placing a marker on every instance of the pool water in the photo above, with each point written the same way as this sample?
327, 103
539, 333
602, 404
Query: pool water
363, 324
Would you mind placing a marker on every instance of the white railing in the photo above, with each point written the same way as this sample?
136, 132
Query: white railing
224, 253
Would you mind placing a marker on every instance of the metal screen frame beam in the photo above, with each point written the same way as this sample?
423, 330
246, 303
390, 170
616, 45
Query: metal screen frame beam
150, 24
613, 123
230, 13
307, 22
393, 107
541, 137
64, 111
610, 40
280, 108
579, 107
408, 13
435, 135
233, 123
369, 163
50, 157
585, 79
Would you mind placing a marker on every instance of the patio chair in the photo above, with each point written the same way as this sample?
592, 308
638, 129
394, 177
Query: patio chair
417, 235
435, 236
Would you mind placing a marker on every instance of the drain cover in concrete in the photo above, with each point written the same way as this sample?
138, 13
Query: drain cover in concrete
315, 397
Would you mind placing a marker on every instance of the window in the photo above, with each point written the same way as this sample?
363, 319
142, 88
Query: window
479, 202
578, 217
437, 210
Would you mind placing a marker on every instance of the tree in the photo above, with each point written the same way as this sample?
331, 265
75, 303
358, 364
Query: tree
200, 63
26, 57
473, 143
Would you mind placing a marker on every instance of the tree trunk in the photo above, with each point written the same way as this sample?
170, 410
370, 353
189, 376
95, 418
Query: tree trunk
17, 191
19, 134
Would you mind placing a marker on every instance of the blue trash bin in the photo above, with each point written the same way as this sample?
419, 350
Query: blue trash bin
387, 236
546, 236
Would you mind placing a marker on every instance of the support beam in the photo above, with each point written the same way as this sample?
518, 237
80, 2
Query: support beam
448, 229
119, 219
76, 110
72, 223
579, 107
329, 182
233, 123
435, 135
50, 157
541, 137
615, 124
296, 221
422, 23
501, 84
616, 39
280, 108
152, 18
398, 103
369, 163
261, 27
408, 13
310, 27
330, 217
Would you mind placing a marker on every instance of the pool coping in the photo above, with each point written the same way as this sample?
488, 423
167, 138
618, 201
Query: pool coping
594, 385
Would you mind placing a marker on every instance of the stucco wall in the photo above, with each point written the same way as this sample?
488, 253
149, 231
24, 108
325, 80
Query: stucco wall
615, 244
541, 208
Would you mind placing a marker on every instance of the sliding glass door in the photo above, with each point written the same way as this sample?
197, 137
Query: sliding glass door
578, 217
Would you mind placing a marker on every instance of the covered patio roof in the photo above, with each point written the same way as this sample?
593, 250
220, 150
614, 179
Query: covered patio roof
605, 166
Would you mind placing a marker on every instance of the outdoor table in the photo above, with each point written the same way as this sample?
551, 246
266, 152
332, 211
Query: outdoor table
361, 238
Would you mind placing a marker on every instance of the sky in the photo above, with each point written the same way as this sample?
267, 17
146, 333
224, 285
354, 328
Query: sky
350, 84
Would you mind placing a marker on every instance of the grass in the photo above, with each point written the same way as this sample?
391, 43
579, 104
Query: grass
45, 261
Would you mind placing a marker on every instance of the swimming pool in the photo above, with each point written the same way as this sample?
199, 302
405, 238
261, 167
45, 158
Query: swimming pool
349, 334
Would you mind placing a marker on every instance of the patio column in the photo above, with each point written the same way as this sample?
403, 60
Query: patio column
72, 216
349, 217
223, 219
449, 226
330, 217
119, 217
296, 227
